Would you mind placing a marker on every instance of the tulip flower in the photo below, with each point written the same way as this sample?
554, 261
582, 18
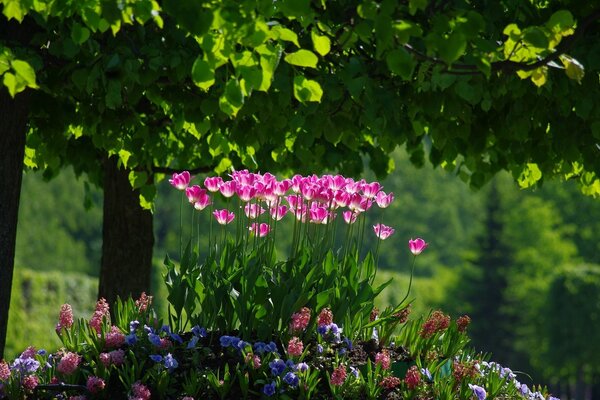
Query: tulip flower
227, 189
194, 193
180, 181
417, 246
384, 200
212, 184
224, 216
383, 231
202, 202
260, 230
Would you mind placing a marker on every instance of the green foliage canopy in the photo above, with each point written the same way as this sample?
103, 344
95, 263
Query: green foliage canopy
496, 85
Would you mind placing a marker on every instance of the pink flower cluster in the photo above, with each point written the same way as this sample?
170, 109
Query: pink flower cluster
390, 382
30, 382
95, 384
65, 318
295, 347
116, 357
338, 376
114, 338
437, 322
300, 320
4, 371
101, 312
143, 302
309, 198
139, 392
68, 363
412, 378
325, 317
383, 359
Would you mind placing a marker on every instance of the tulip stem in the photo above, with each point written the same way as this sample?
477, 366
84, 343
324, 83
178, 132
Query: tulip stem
412, 270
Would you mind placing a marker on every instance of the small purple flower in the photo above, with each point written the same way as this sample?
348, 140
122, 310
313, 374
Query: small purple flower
342, 351
25, 365
277, 367
170, 362
553, 398
354, 371
290, 364
322, 329
478, 391
523, 389
148, 329
42, 352
348, 343
259, 347
165, 329
200, 332
271, 347
154, 339
302, 367
427, 374
269, 389
176, 338
319, 348
156, 357
291, 379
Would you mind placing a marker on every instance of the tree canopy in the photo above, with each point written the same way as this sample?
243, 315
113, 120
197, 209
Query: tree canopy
302, 85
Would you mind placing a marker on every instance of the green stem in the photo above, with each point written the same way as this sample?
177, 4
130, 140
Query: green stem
412, 270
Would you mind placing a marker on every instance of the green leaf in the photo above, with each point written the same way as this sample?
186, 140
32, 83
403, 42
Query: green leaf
539, 76
203, 74
307, 90
13, 9
13, 84
223, 166
79, 34
25, 71
137, 179
536, 37
282, 33
453, 47
321, 44
302, 58
561, 22
530, 175
401, 63
113, 94
232, 100
414, 5
573, 68
405, 29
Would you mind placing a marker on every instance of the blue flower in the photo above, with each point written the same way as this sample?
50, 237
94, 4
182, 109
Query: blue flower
148, 329
193, 342
241, 345
319, 348
42, 352
154, 339
277, 367
156, 357
342, 351
170, 362
227, 341
165, 328
291, 379
478, 391
176, 337
322, 329
133, 325
302, 367
348, 343
259, 347
131, 339
25, 365
271, 347
354, 371
200, 332
269, 389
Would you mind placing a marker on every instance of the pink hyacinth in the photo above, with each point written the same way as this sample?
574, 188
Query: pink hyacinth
212, 184
104, 359
140, 391
300, 320
117, 357
252, 211
65, 318
295, 347
180, 181
95, 384
101, 312
4, 371
384, 200
383, 231
28, 353
114, 338
349, 216
193, 193
203, 201
68, 363
30, 382
143, 302
417, 246
223, 216
383, 359
338, 376
412, 378
260, 230
325, 317
227, 189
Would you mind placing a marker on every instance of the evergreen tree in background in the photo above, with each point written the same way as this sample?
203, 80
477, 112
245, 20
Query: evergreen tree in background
484, 285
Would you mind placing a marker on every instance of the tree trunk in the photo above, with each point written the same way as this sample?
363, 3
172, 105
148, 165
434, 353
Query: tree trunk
13, 127
127, 238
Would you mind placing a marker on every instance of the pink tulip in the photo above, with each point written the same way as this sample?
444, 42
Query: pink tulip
359, 203
202, 202
349, 217
282, 187
383, 231
227, 189
417, 246
253, 210
383, 200
370, 190
224, 216
193, 193
308, 191
277, 213
296, 183
246, 193
261, 230
342, 199
318, 214
212, 184
338, 183
180, 181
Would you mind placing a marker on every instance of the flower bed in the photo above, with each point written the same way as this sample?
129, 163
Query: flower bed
245, 324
